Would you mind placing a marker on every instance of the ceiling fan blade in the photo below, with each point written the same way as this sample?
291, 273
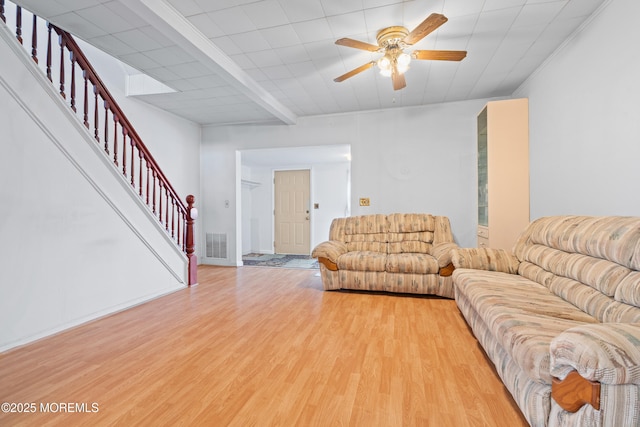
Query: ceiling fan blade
357, 44
427, 26
441, 55
397, 79
354, 72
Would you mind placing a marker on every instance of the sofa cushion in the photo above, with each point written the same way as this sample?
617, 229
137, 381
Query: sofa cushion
363, 261
412, 263
407, 223
375, 242
614, 238
366, 224
523, 316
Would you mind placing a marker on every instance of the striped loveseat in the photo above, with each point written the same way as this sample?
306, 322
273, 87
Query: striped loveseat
559, 317
408, 253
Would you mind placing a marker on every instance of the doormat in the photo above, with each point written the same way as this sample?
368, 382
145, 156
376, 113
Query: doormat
279, 260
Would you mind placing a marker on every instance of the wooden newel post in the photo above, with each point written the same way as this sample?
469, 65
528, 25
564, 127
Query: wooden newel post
192, 214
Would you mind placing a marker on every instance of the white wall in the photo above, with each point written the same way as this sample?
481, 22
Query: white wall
419, 159
585, 120
76, 242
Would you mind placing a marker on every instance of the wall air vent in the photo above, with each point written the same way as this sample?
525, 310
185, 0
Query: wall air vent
216, 245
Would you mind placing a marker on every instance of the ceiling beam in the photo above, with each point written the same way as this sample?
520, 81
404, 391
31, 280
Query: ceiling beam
176, 27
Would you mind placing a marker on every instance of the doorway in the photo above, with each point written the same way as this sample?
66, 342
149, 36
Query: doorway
292, 212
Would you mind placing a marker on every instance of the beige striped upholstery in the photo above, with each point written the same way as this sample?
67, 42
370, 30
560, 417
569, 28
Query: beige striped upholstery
401, 252
565, 299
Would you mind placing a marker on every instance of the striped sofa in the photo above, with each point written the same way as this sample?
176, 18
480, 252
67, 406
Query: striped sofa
559, 317
407, 253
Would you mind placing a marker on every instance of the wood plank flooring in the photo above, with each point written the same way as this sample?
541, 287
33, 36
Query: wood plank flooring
255, 346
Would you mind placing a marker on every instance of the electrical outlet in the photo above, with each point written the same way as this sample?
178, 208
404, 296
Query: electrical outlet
364, 201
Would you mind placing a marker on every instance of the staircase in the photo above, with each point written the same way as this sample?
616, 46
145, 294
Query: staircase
82, 194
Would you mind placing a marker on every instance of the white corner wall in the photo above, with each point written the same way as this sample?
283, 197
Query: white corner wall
585, 119
75, 244
419, 159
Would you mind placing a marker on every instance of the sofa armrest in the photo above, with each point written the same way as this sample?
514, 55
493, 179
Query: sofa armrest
598, 365
485, 259
608, 353
442, 253
329, 250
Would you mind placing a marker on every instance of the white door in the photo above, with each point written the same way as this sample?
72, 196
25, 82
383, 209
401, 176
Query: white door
291, 224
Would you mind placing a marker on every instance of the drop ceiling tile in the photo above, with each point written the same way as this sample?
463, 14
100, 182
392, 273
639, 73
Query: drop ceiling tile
326, 49
168, 55
494, 24
277, 72
182, 85
501, 4
139, 61
233, 20
159, 37
226, 45
452, 9
264, 58
298, 11
76, 24
258, 75
456, 27
49, 9
243, 61
281, 36
205, 25
105, 19
124, 13
292, 54
189, 69
302, 69
162, 74
214, 5
251, 41
338, 7
536, 14
348, 24
266, 14
367, 4
186, 7
138, 40
312, 31
111, 44
78, 4
382, 17
583, 8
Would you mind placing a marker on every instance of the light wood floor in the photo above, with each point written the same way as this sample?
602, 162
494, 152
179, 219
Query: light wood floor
255, 346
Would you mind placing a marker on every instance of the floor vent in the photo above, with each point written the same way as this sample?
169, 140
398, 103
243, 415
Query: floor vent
216, 245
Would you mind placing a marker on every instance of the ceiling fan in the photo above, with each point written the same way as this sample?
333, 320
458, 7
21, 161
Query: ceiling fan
392, 41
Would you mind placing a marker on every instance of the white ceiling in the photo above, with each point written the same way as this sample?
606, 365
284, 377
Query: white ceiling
272, 61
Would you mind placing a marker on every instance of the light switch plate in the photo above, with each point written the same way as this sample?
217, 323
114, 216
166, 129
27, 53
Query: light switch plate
364, 201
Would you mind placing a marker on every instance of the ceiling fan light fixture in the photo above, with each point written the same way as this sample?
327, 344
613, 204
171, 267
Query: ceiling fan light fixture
403, 62
384, 64
392, 41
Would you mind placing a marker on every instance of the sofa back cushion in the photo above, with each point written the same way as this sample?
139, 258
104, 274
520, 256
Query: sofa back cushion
410, 233
588, 261
361, 233
395, 233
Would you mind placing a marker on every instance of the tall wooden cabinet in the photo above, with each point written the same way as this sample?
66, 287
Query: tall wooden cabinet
503, 172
